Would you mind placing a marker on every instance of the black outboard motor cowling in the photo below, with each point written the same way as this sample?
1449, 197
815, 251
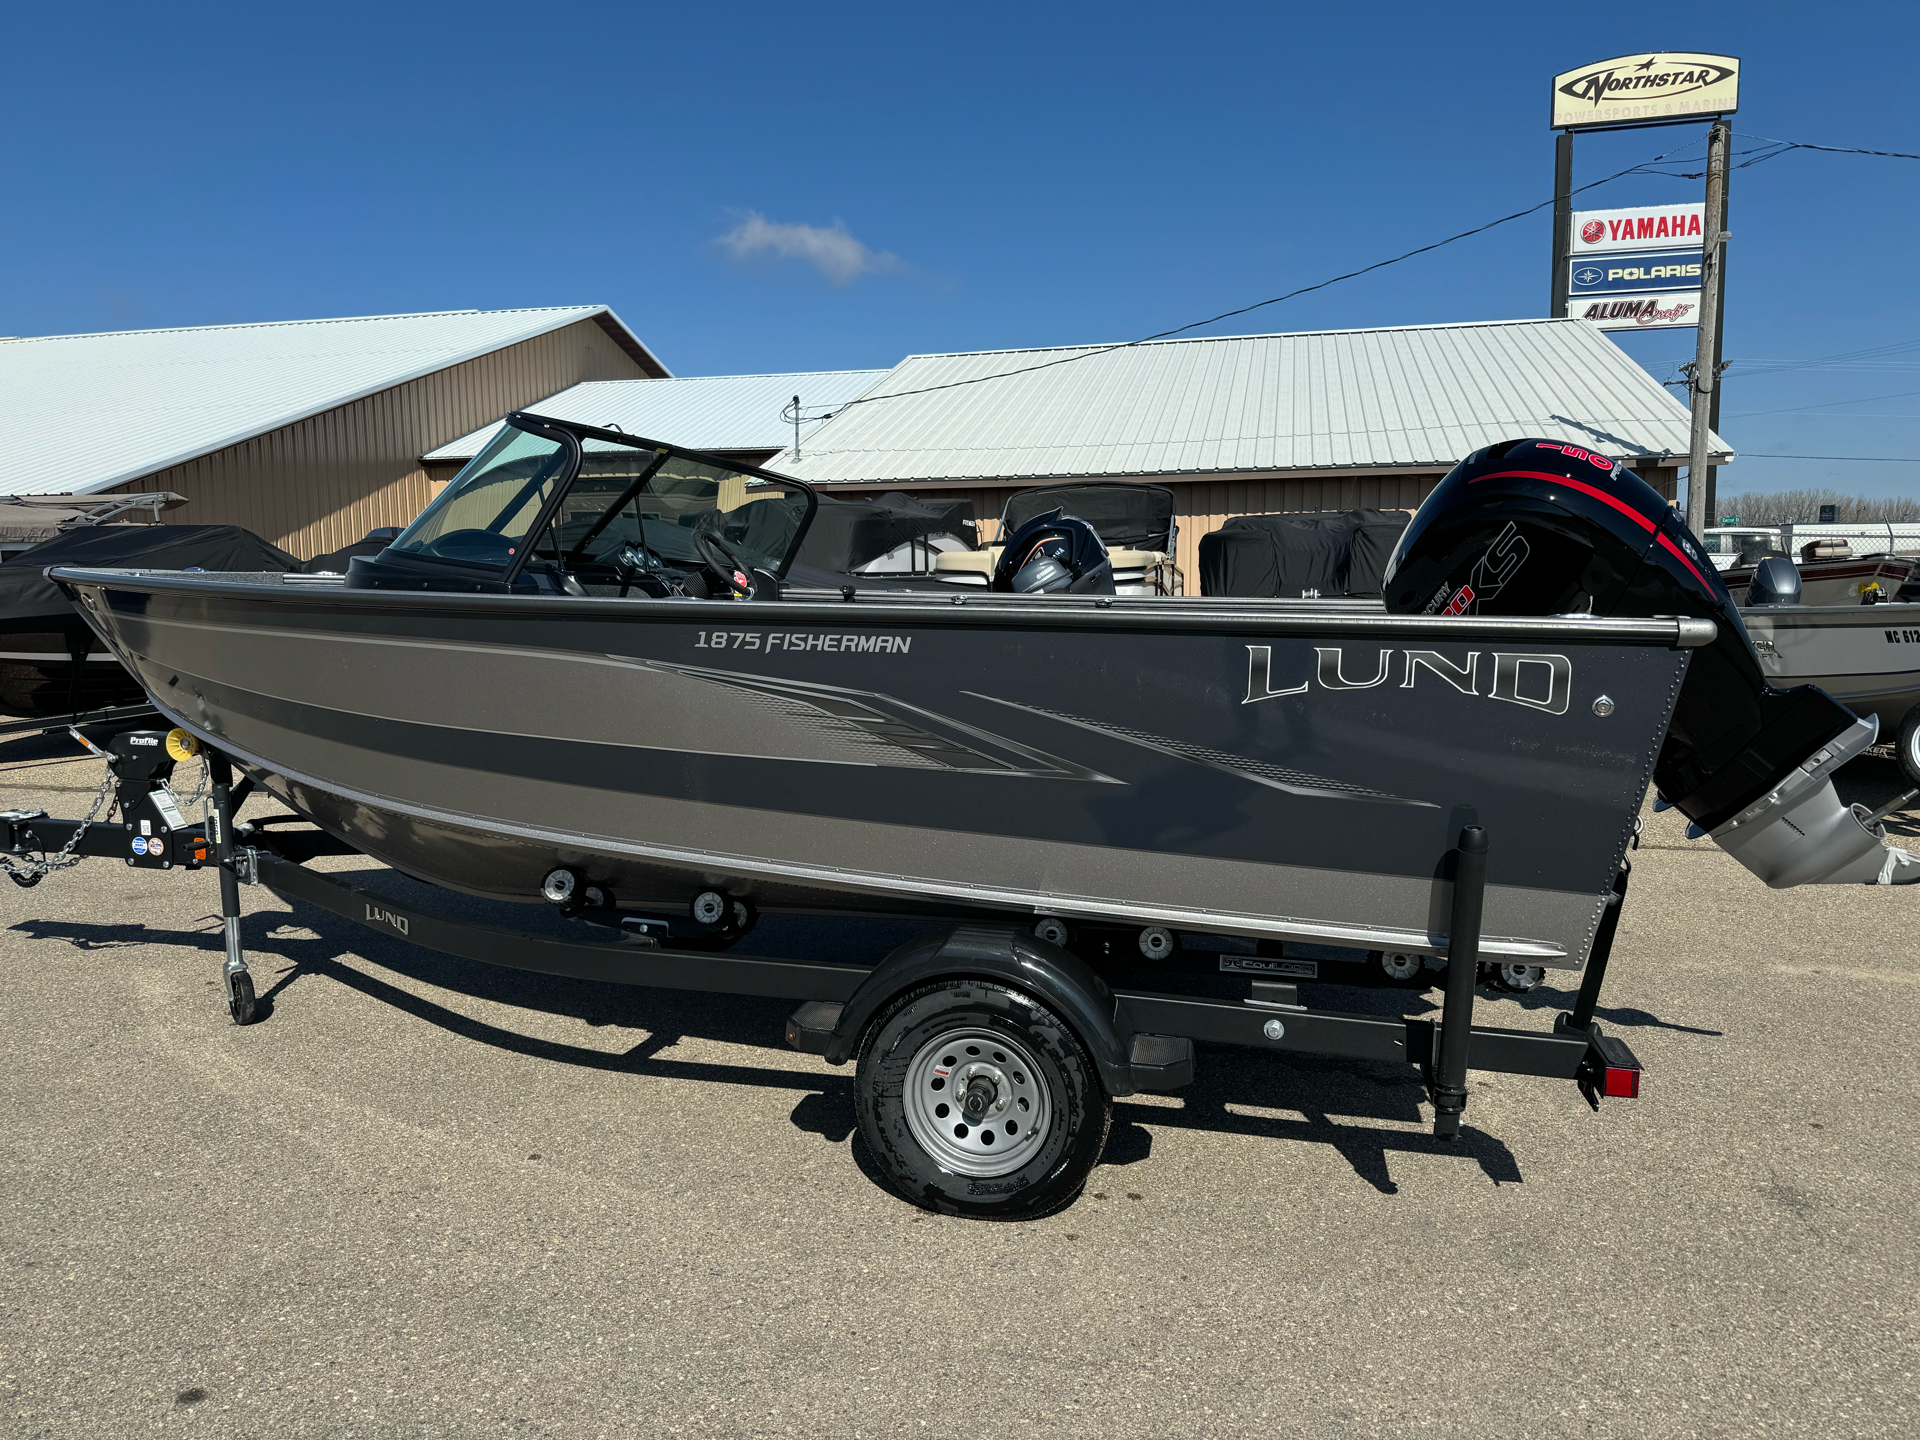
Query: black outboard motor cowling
1054, 553
1541, 528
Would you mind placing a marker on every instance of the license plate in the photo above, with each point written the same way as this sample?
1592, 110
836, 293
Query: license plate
1270, 966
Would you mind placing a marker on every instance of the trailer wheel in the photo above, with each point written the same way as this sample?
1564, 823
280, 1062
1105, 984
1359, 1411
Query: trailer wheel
1909, 745
977, 1100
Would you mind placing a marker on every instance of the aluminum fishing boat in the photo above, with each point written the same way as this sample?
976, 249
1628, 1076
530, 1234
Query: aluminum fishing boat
583, 659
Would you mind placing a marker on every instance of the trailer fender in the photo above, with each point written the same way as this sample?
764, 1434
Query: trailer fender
1007, 954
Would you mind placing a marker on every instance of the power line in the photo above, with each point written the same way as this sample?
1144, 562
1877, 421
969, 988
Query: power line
1890, 459
1829, 405
1088, 354
1831, 149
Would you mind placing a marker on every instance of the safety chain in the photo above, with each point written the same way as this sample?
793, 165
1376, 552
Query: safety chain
32, 872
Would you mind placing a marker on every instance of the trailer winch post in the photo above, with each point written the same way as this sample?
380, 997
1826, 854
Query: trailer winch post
1449, 1091
239, 983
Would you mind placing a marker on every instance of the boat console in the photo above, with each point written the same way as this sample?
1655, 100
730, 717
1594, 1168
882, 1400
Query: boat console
1537, 527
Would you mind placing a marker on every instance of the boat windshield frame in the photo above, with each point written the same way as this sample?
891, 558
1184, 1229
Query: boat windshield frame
573, 437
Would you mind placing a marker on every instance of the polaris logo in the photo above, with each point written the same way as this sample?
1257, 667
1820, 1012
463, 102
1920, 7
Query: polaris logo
386, 918
1539, 682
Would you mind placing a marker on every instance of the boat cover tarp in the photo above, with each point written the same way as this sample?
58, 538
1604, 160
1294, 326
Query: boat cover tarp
30, 602
849, 531
1327, 553
1127, 515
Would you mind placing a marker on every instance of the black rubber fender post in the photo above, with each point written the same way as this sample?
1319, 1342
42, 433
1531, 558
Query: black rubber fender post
1463, 968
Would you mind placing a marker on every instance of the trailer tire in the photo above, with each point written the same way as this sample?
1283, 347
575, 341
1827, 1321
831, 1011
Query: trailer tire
1908, 746
1021, 1063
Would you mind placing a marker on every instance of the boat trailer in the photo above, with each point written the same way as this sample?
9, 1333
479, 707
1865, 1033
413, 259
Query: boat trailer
1138, 1040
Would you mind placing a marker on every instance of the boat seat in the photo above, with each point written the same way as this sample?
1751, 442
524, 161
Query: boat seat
967, 567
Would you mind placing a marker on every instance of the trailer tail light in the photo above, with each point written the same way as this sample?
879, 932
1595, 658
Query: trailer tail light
1624, 1081
1609, 1069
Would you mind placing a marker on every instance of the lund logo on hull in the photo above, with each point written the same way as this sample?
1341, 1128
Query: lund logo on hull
1539, 682
387, 918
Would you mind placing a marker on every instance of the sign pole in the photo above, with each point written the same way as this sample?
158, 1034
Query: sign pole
1563, 220
1704, 383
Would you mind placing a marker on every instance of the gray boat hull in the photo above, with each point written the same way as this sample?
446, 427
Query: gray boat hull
1262, 769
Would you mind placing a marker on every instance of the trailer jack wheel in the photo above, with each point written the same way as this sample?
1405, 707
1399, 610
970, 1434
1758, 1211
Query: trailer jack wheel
240, 998
977, 1100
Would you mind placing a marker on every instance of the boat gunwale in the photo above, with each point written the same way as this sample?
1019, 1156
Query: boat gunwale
1125, 613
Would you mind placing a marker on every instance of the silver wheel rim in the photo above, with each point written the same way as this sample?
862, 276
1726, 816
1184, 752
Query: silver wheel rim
998, 1075
1401, 966
1914, 750
1522, 978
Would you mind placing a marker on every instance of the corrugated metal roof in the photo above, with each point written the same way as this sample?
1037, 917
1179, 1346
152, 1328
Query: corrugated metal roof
1320, 400
81, 413
702, 412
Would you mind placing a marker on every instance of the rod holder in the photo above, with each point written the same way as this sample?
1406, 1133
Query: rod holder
1449, 1092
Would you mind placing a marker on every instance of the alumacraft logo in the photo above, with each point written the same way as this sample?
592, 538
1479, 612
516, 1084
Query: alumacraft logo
1539, 682
1652, 78
1647, 311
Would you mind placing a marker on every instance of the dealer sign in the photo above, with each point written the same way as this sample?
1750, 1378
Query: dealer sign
1639, 227
1667, 311
1650, 270
1646, 88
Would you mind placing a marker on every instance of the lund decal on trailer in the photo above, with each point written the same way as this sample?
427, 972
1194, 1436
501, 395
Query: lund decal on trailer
1539, 682
386, 918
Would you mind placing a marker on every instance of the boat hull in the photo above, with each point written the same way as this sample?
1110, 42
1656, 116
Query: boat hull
1261, 769
1868, 657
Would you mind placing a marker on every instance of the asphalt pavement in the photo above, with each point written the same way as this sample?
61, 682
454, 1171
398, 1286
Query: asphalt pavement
428, 1198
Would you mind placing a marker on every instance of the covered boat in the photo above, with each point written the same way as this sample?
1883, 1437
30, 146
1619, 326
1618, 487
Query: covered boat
1310, 555
51, 663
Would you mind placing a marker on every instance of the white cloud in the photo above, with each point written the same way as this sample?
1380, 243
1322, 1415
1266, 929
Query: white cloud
830, 249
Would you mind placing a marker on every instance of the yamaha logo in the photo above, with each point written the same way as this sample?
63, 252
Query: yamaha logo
1592, 232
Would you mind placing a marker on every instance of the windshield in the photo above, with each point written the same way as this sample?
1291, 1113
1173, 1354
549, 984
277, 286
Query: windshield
661, 500
485, 513
623, 494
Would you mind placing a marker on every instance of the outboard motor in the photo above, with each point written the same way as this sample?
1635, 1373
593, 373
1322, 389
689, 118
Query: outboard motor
1539, 528
1052, 554
1776, 582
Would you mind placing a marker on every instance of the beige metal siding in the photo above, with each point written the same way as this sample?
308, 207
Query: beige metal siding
324, 482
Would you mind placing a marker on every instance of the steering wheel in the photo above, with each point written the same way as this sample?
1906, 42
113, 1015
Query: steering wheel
736, 572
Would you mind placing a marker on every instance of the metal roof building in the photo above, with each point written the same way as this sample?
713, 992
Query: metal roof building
737, 415
306, 432
1320, 420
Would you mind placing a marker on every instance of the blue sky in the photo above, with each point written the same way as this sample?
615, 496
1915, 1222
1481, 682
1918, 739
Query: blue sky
971, 178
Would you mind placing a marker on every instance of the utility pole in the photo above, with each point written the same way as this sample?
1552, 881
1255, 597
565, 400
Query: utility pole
1705, 382
1720, 223
1563, 220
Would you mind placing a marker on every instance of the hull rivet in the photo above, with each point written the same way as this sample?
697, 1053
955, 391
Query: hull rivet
1273, 1030
1603, 705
